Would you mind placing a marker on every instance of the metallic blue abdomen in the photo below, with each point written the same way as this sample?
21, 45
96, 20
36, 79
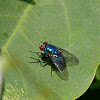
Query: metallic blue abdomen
51, 49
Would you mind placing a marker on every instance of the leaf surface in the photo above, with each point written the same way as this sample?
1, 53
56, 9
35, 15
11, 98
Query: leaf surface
71, 25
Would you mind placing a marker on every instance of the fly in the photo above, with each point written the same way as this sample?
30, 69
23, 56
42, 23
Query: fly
58, 57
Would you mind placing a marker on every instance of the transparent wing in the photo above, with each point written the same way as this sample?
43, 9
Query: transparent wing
70, 58
59, 66
63, 75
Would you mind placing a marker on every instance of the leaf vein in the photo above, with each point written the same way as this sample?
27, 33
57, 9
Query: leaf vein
67, 22
15, 30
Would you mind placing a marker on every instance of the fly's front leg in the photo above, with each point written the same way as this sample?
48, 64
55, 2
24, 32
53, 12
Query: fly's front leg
36, 53
37, 60
41, 55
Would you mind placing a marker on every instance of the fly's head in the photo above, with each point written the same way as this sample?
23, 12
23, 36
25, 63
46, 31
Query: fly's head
43, 45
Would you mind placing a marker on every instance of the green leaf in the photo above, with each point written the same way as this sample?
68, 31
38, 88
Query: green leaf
71, 25
98, 73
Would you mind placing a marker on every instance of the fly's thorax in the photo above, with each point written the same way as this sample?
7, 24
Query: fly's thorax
51, 49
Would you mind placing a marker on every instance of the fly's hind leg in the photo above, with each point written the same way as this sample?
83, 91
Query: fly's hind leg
36, 53
51, 70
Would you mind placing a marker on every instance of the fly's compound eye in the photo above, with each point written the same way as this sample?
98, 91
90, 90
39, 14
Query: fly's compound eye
42, 46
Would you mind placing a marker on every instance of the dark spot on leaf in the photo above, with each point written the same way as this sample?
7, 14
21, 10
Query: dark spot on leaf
0, 50
5, 35
29, 1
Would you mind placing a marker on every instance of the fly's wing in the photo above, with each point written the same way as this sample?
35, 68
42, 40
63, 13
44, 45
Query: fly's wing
59, 65
63, 75
70, 58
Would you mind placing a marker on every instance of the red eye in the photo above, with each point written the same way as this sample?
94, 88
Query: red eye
42, 47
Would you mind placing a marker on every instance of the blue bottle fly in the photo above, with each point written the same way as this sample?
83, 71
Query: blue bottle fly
59, 58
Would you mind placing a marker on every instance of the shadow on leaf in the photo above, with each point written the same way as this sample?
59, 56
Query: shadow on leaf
48, 61
29, 1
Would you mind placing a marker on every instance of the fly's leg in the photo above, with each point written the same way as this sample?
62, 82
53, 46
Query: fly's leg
37, 60
36, 53
45, 64
41, 55
51, 70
